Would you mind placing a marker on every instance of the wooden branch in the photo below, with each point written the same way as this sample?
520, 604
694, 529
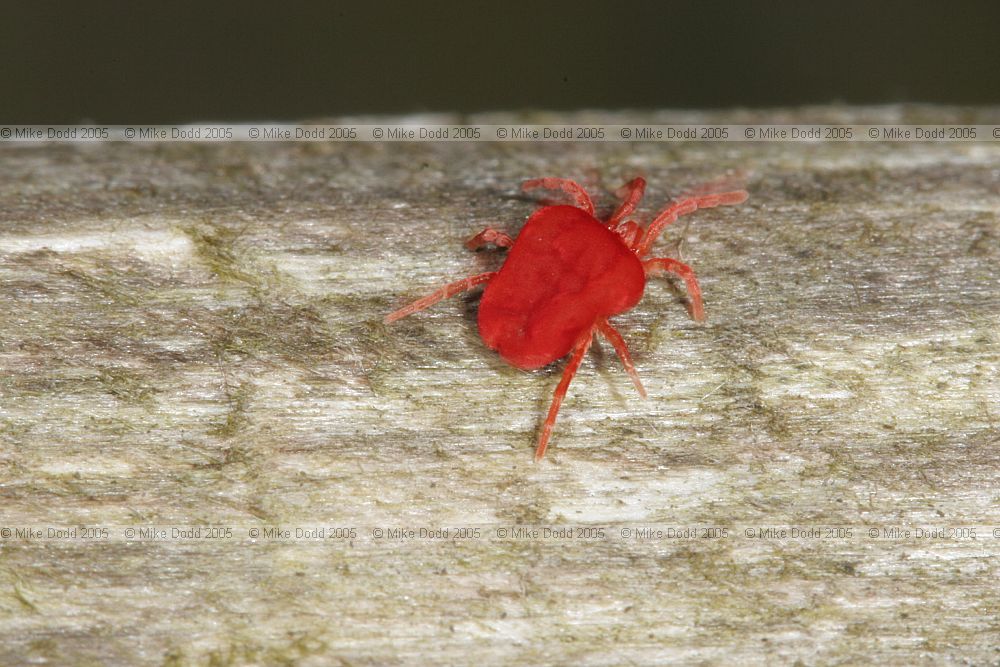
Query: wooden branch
193, 336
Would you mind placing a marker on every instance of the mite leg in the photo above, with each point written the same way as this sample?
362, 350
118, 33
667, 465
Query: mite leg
621, 348
684, 207
631, 194
580, 197
658, 265
451, 289
629, 232
488, 236
574, 363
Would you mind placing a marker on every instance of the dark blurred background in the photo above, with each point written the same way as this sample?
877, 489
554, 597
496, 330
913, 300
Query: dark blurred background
175, 62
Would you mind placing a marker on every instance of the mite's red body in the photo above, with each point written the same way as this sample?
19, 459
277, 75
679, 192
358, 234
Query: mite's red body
566, 274
565, 271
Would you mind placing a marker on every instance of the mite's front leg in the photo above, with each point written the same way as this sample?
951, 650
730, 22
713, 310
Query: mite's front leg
580, 197
631, 195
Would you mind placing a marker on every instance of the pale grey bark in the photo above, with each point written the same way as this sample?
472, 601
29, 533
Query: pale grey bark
192, 334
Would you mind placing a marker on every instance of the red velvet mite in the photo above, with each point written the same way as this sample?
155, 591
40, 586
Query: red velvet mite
565, 275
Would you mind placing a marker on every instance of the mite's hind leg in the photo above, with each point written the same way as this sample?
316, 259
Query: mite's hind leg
488, 236
574, 363
621, 348
580, 197
451, 289
658, 265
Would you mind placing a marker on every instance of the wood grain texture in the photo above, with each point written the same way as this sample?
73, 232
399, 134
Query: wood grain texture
192, 334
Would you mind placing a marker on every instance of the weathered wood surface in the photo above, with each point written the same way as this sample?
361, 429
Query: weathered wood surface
192, 335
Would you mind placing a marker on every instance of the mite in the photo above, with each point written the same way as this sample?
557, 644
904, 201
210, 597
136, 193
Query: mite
565, 275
